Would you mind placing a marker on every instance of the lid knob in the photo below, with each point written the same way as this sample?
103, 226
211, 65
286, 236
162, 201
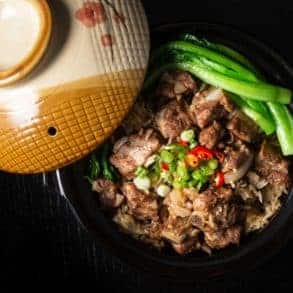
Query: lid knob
25, 29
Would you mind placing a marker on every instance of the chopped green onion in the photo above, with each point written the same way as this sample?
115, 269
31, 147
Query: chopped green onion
206, 170
172, 166
181, 156
192, 183
163, 190
156, 168
178, 184
171, 147
213, 164
141, 171
142, 183
181, 171
167, 177
193, 144
188, 135
197, 175
200, 177
166, 156
176, 148
200, 185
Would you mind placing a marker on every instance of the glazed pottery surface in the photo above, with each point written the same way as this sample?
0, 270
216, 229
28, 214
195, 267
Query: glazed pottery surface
69, 72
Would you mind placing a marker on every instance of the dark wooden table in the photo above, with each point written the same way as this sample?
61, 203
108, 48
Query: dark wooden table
40, 239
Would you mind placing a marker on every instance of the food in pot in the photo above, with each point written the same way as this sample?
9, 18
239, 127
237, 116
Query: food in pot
201, 161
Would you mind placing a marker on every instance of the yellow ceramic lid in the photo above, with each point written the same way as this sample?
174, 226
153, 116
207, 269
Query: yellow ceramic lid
69, 72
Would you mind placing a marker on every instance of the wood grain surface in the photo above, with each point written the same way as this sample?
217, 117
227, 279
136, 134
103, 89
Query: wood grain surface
40, 239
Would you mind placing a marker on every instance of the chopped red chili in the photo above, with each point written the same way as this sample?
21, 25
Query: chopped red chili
219, 179
202, 153
183, 142
165, 166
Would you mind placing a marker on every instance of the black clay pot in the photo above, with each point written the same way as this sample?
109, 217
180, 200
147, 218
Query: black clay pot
253, 250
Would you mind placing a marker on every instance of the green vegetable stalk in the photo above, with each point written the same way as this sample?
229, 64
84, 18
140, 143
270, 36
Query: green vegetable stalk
206, 53
253, 90
228, 52
260, 117
284, 121
94, 169
108, 170
101, 166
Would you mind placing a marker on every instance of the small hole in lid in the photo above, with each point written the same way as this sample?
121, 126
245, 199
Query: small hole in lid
52, 131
